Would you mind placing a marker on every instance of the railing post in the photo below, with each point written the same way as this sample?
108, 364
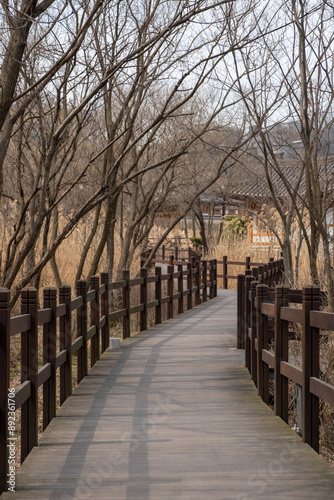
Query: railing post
163, 251
82, 329
176, 253
255, 272
205, 280
198, 282
262, 343
180, 288
281, 270
248, 281
50, 356
189, 286
266, 278
211, 279
143, 300
271, 271
158, 295
4, 383
29, 371
253, 357
193, 271
281, 383
241, 311
126, 303
248, 260
261, 274
310, 425
105, 311
95, 319
65, 337
170, 292
276, 272
215, 272
225, 272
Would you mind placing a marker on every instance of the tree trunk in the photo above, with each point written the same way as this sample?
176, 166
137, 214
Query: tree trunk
199, 215
53, 261
109, 223
288, 262
88, 243
111, 238
299, 247
193, 219
211, 218
185, 227
328, 271
313, 256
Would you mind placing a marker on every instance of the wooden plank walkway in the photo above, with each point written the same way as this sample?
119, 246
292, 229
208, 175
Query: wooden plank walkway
173, 415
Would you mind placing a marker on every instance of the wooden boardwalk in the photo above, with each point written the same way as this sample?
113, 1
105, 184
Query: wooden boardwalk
173, 415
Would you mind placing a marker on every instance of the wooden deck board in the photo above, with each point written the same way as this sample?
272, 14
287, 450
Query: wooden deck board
173, 415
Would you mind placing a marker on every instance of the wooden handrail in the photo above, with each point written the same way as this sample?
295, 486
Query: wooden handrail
164, 253
255, 310
93, 319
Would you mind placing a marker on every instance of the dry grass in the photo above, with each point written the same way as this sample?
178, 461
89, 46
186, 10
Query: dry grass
236, 250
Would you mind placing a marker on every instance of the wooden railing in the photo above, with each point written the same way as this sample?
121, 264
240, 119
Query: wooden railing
270, 274
266, 314
164, 254
195, 281
246, 264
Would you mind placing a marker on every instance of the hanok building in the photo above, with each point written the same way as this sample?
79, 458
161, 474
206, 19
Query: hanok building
248, 198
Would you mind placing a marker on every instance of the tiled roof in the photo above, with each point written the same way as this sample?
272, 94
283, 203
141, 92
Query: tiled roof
256, 187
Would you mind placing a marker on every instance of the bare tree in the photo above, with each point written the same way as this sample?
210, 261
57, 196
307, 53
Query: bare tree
142, 65
287, 82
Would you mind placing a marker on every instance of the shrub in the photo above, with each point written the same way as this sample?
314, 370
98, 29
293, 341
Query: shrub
236, 225
196, 241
